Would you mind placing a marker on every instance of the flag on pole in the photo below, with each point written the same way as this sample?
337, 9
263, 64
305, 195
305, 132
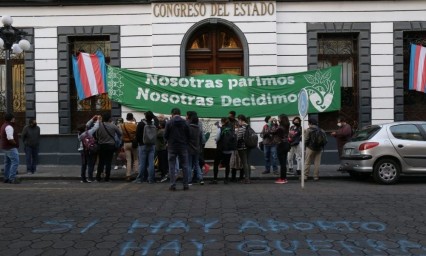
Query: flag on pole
89, 74
417, 75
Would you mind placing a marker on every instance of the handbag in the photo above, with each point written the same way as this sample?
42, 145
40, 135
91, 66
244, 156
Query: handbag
117, 140
135, 143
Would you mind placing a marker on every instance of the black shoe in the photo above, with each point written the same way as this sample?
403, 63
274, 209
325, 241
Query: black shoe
6, 181
172, 188
185, 187
14, 181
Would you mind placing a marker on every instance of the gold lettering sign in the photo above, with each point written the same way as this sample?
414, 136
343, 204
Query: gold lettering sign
165, 10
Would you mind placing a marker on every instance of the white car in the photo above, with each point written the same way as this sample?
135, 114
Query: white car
386, 151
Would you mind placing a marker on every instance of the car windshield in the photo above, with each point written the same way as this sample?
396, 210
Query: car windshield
366, 133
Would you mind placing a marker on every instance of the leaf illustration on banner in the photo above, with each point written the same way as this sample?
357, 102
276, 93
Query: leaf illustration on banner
321, 91
115, 84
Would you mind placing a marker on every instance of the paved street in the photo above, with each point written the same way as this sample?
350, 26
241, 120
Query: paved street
329, 217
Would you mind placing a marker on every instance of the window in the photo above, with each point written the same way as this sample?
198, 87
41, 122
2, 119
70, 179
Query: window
414, 101
82, 111
18, 85
341, 49
406, 132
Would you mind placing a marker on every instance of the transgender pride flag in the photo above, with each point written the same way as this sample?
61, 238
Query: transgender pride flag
89, 74
417, 76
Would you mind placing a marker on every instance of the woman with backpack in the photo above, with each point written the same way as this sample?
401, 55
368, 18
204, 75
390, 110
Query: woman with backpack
87, 147
226, 142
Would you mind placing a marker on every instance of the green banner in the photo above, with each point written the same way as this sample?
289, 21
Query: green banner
216, 95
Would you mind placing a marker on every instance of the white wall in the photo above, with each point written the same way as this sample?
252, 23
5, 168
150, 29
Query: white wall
277, 43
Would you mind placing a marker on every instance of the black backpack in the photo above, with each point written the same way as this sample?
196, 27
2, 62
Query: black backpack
250, 137
318, 139
228, 139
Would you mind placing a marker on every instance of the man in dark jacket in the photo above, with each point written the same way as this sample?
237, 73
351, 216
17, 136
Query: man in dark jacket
31, 138
312, 152
10, 145
177, 137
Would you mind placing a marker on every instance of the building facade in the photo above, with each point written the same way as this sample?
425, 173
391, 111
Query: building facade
370, 39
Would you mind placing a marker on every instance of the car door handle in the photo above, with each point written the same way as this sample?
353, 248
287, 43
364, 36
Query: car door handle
400, 146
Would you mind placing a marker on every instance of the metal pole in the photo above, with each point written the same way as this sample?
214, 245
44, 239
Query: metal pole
9, 85
302, 172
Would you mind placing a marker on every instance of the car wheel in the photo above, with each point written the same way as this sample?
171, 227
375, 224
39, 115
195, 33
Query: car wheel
386, 171
359, 175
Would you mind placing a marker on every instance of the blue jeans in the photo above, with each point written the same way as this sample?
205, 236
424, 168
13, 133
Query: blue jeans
31, 158
11, 162
183, 163
194, 167
146, 157
271, 158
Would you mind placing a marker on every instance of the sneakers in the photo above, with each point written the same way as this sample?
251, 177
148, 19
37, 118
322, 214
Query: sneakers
164, 179
201, 182
124, 167
116, 167
281, 181
316, 179
266, 172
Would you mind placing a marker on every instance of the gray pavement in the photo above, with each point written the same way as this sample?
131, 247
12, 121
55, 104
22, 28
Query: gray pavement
331, 218
67, 172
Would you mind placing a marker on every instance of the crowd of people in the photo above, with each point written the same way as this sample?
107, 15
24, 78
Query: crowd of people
174, 146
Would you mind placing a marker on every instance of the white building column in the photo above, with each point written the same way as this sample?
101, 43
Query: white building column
46, 79
382, 73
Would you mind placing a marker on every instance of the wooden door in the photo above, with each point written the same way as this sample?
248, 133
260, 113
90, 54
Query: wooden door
214, 49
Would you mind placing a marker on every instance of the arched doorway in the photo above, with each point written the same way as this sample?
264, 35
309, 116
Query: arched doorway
214, 46
214, 50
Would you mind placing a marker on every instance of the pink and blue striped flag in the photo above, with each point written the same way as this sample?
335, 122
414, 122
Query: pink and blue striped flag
417, 75
89, 74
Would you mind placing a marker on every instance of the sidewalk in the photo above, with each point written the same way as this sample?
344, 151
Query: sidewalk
72, 172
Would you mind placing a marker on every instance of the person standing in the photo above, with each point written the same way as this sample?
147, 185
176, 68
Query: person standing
313, 152
177, 137
10, 145
106, 140
119, 155
31, 138
194, 148
270, 148
243, 151
283, 147
128, 129
226, 142
146, 149
161, 149
294, 138
88, 155
342, 135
